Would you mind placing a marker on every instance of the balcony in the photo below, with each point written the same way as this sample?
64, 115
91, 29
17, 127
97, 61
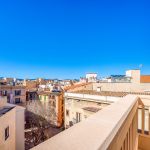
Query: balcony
114, 128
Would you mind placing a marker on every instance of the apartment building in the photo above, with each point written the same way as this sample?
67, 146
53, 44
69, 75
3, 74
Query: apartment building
49, 106
30, 84
32, 95
11, 126
133, 81
77, 106
91, 77
15, 94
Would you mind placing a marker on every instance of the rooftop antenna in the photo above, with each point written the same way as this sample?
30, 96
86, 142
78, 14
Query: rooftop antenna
140, 66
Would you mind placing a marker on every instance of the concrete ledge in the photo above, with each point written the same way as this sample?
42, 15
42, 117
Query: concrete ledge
89, 97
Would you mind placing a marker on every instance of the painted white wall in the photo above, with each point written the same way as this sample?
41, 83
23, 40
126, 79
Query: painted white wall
122, 87
134, 74
42, 86
91, 77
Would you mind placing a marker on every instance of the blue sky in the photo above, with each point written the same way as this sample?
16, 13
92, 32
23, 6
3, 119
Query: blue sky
66, 39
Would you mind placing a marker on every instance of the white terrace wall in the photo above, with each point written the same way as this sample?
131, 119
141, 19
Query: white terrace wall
125, 87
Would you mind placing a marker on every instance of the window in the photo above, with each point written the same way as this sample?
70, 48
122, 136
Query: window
98, 89
3, 93
17, 100
78, 117
17, 92
70, 123
6, 133
53, 103
62, 101
53, 97
44, 98
67, 113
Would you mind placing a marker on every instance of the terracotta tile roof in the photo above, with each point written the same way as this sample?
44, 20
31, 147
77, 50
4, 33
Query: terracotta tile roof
75, 86
145, 79
102, 93
12, 87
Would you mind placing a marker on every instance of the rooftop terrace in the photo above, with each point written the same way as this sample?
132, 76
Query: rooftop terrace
114, 127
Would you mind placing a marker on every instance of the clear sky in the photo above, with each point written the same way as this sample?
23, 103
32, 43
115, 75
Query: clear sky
66, 39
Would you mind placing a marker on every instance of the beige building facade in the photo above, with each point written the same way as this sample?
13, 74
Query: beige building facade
15, 94
11, 126
137, 83
122, 87
50, 106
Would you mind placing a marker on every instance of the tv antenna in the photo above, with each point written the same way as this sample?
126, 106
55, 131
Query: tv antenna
140, 66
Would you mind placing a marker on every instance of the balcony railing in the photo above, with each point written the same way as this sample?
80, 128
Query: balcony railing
114, 128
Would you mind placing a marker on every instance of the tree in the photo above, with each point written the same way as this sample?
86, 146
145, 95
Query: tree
40, 116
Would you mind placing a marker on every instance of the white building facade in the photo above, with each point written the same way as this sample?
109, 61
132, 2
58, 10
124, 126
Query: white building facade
91, 77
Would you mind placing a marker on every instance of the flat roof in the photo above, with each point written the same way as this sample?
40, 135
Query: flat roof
109, 93
5, 109
101, 93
